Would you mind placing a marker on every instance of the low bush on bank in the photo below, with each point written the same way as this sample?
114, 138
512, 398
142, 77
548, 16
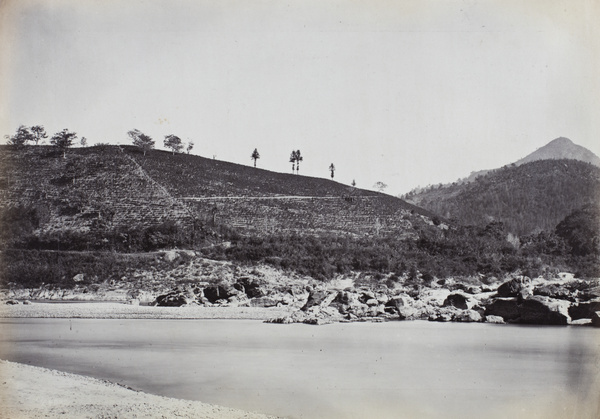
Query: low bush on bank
35, 268
465, 251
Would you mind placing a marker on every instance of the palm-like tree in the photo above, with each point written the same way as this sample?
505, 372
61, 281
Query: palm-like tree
255, 156
299, 158
331, 169
293, 160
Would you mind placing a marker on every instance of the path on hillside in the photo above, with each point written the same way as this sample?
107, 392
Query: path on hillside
208, 198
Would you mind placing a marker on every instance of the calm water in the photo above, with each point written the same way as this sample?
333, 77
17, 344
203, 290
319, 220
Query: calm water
359, 370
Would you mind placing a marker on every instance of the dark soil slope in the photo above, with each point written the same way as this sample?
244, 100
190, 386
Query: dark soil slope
110, 189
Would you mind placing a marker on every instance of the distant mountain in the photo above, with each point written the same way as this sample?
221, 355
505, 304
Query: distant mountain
528, 197
561, 148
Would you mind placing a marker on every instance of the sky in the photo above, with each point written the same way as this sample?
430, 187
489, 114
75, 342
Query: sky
405, 92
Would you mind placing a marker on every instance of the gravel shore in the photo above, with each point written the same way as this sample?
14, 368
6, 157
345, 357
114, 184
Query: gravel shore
125, 311
34, 392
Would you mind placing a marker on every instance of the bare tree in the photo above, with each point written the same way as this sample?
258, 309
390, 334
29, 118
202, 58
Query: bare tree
141, 140
189, 146
255, 156
380, 186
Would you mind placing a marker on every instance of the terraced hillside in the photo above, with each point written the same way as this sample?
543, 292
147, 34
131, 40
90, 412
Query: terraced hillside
92, 188
99, 189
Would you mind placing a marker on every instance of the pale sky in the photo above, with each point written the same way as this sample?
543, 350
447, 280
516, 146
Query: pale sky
407, 92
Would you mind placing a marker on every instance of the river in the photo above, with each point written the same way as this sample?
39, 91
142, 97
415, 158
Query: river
359, 370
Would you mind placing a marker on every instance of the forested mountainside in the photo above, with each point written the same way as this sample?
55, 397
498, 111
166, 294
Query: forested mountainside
527, 198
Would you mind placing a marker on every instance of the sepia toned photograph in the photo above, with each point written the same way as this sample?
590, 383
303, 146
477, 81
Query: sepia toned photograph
302, 209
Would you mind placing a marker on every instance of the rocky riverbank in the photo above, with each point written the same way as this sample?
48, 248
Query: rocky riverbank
274, 297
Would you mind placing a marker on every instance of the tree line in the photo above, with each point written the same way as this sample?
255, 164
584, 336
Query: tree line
65, 139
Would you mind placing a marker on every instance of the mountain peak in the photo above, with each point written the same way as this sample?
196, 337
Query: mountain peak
561, 148
561, 141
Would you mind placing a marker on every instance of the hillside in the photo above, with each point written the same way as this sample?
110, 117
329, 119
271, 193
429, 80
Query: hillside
526, 198
92, 222
107, 191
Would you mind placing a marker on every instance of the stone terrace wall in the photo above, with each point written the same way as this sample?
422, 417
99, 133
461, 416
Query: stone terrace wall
362, 215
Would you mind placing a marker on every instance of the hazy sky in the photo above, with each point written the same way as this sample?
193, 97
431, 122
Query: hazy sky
408, 92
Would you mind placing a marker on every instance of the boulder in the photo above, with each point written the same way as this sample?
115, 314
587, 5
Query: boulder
584, 310
321, 298
543, 310
79, 278
404, 306
366, 296
456, 300
506, 308
172, 299
494, 319
250, 287
444, 314
263, 302
514, 287
12, 302
171, 255
215, 293
372, 302
554, 291
467, 316
589, 294
596, 319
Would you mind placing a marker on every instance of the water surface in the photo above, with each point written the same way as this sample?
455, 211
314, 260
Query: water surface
358, 370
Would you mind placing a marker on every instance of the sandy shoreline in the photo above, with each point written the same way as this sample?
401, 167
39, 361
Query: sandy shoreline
79, 310
33, 392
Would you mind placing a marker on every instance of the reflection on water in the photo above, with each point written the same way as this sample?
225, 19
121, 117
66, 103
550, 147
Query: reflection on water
359, 370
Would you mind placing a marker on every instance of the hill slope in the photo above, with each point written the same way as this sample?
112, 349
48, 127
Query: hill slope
108, 190
529, 197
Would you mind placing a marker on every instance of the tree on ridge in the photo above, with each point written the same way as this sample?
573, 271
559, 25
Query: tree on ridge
255, 156
63, 140
141, 140
295, 159
173, 142
20, 138
299, 158
380, 186
38, 133
331, 169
